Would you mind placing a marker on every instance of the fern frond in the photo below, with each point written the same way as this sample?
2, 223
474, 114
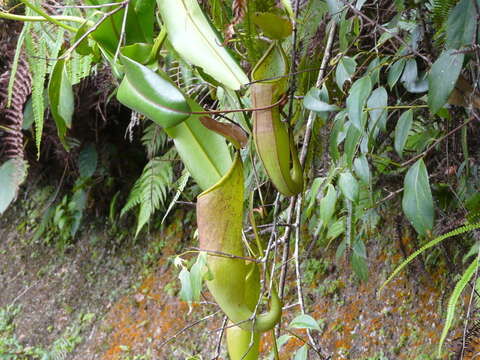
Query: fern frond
150, 190
441, 9
154, 139
452, 302
182, 183
458, 231
16, 59
37, 54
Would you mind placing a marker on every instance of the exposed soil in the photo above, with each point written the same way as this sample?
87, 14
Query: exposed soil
131, 288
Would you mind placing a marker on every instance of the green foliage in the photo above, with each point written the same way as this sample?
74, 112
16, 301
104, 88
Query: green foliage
150, 190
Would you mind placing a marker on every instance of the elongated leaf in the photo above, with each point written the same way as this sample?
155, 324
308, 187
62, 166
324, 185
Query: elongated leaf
417, 200
315, 101
327, 205
402, 130
442, 78
356, 99
192, 36
60, 96
344, 71
12, 174
452, 302
304, 321
461, 24
359, 266
352, 141
348, 185
152, 95
362, 169
378, 102
395, 72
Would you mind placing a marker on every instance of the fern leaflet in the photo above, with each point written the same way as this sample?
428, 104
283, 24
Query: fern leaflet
150, 189
458, 231
452, 302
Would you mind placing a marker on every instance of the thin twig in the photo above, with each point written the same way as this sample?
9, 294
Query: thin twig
220, 336
422, 154
163, 343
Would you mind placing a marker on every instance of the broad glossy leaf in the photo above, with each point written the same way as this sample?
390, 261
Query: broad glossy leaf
395, 72
461, 24
402, 130
138, 27
348, 185
417, 199
327, 205
151, 94
12, 174
273, 26
204, 152
194, 39
317, 100
139, 52
378, 102
442, 78
304, 321
410, 72
356, 99
60, 96
345, 69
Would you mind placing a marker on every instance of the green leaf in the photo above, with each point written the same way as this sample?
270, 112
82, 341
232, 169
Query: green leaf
356, 99
402, 130
461, 24
378, 101
83, 48
151, 94
273, 26
352, 141
359, 266
204, 152
345, 69
305, 321
417, 200
138, 26
302, 353
12, 175
87, 161
336, 229
452, 302
338, 126
362, 169
193, 38
327, 205
348, 185
442, 78
316, 101
61, 98
395, 72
